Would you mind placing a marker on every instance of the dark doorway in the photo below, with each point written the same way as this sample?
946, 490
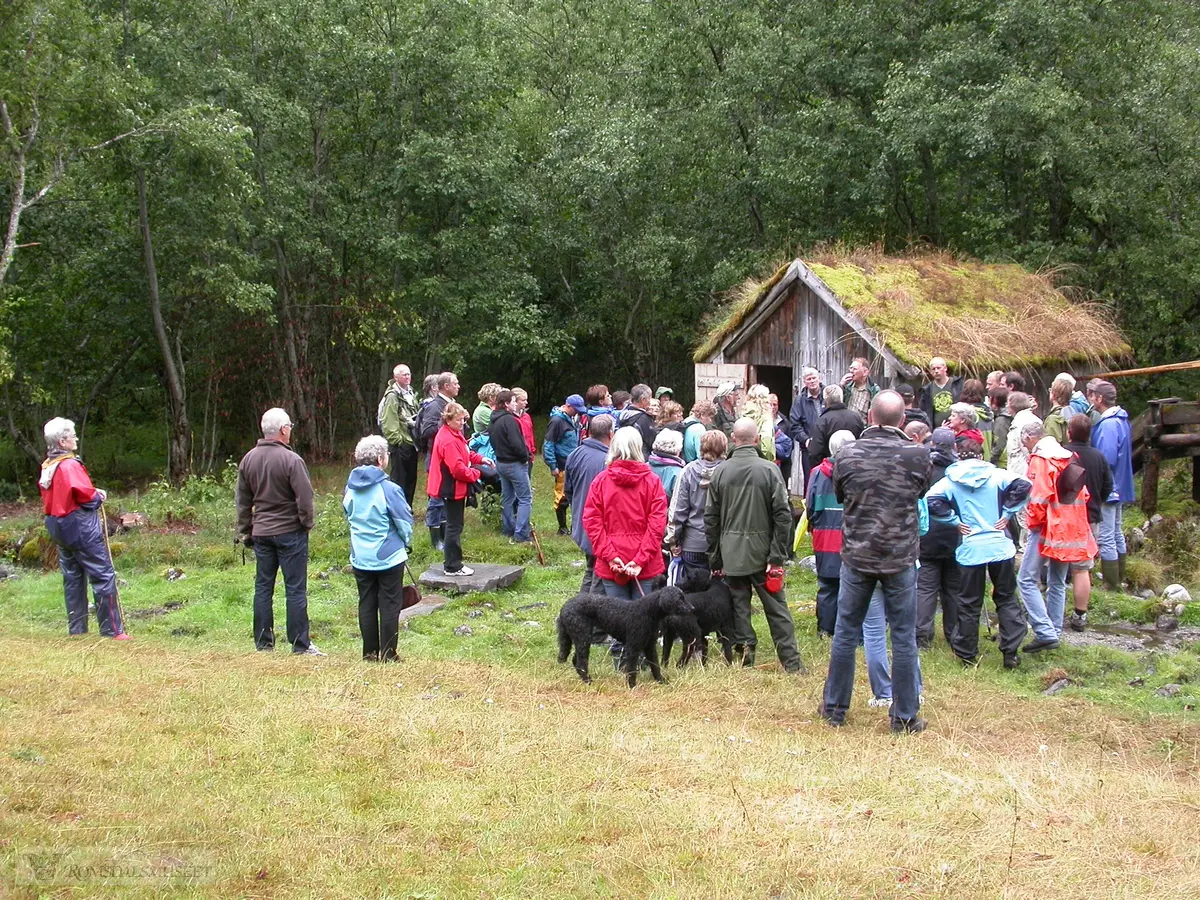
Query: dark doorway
778, 380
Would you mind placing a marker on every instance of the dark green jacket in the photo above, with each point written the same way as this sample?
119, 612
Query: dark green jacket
747, 518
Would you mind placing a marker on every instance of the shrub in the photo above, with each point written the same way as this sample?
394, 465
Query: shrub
1144, 574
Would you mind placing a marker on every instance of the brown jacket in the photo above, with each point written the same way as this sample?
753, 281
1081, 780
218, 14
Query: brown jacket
274, 494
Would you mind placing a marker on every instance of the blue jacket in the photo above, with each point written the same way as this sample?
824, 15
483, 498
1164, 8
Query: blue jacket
583, 465
979, 494
693, 430
380, 520
561, 439
1110, 435
806, 409
667, 468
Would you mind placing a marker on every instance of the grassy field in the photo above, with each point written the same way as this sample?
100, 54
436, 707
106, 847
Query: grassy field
183, 763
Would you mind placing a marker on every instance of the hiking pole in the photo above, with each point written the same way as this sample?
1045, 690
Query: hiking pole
537, 545
116, 595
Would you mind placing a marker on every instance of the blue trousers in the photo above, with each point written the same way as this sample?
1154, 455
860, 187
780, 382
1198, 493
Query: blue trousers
875, 647
516, 500
900, 610
289, 553
1112, 536
1045, 616
83, 557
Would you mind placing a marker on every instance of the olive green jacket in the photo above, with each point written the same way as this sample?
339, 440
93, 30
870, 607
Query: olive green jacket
747, 518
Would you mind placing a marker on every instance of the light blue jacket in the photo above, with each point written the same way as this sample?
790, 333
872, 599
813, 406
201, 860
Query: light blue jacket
693, 430
380, 520
977, 493
1110, 435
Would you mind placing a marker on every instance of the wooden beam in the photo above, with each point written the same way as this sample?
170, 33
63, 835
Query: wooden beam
1152, 370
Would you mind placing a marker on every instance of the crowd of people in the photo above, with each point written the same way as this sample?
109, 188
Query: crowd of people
914, 499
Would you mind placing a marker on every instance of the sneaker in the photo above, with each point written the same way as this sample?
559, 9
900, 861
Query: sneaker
1040, 644
311, 650
1078, 621
122, 637
880, 702
464, 571
1011, 660
912, 726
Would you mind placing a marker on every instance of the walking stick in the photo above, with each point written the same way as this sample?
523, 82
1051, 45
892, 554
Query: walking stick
116, 594
537, 545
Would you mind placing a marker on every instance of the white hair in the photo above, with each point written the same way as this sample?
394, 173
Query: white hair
840, 439
371, 451
669, 441
274, 420
56, 430
1066, 378
966, 412
1034, 429
758, 392
626, 444
833, 394
809, 370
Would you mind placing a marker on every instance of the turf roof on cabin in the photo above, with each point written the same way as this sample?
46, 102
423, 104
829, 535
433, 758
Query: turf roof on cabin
976, 315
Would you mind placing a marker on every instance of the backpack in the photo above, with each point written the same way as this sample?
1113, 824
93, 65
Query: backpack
1071, 480
426, 427
379, 411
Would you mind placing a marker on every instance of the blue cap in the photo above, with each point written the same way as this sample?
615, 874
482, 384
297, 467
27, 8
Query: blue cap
576, 403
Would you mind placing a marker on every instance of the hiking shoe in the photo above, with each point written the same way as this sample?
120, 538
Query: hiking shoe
1078, 621
311, 650
563, 532
1039, 645
880, 702
912, 726
464, 571
1011, 660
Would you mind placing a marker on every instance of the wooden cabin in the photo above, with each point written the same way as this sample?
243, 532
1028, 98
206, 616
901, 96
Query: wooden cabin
898, 313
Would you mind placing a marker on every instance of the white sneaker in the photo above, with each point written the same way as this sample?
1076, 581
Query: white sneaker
312, 650
880, 702
463, 571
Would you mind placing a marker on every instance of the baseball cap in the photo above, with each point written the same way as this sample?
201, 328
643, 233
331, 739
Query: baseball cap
942, 437
1105, 389
905, 391
663, 390
576, 403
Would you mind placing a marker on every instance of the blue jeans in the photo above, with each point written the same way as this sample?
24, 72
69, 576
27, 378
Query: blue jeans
900, 609
288, 552
435, 509
1112, 537
515, 494
874, 632
629, 590
1045, 617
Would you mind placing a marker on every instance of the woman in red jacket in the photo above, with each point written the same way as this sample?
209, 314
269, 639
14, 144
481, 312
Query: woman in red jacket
450, 475
625, 517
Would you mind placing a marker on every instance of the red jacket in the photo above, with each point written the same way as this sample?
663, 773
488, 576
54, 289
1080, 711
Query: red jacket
69, 489
526, 422
1066, 534
625, 517
450, 465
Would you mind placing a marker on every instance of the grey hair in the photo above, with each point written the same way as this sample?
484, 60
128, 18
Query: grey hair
1067, 378
809, 370
669, 441
639, 392
1019, 400
56, 430
601, 426
274, 420
966, 412
833, 394
626, 444
371, 451
840, 439
1033, 429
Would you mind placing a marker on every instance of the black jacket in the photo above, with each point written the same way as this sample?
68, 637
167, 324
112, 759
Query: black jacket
644, 422
1098, 477
954, 385
837, 417
916, 415
507, 440
941, 540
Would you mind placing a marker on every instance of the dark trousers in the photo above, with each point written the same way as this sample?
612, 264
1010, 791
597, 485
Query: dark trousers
591, 584
404, 469
938, 582
779, 617
83, 557
452, 553
287, 553
827, 603
380, 596
965, 637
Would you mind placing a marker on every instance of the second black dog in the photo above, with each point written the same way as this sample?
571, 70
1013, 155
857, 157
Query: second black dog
713, 614
633, 622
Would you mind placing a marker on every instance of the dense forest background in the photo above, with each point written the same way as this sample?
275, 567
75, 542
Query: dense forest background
212, 208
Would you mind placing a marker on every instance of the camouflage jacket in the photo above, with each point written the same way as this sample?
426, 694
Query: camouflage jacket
879, 479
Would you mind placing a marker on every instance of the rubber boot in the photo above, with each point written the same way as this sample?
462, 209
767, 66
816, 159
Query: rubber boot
442, 536
1121, 571
1111, 573
435, 539
561, 512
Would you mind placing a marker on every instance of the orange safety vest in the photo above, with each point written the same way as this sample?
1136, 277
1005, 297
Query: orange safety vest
1066, 535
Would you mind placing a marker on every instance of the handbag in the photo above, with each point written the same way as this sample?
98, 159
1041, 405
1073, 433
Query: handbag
411, 593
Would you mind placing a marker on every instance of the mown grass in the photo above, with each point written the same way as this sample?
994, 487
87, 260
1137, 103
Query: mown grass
478, 767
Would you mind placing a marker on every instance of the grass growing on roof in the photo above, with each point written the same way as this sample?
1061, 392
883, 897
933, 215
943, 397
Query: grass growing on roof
737, 304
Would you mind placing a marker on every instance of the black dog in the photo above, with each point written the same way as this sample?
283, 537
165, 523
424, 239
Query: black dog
713, 613
633, 622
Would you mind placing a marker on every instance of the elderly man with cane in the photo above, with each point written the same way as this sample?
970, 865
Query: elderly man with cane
70, 502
